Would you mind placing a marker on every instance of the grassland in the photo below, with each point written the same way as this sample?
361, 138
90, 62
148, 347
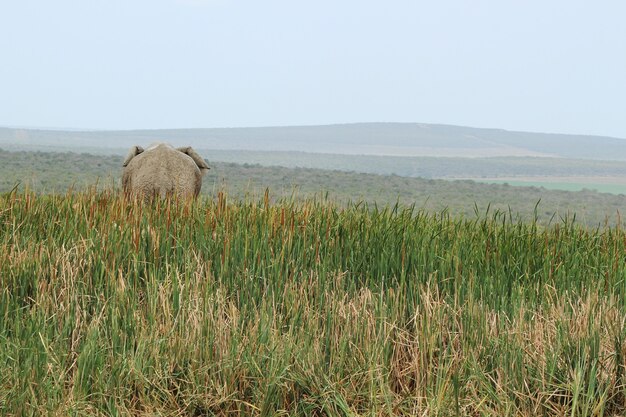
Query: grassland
47, 172
429, 167
603, 185
303, 308
404, 166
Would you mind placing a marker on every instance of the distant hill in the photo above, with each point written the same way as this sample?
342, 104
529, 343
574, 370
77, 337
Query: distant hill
390, 139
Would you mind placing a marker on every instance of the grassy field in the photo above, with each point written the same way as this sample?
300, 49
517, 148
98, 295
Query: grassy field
56, 172
258, 308
429, 167
600, 186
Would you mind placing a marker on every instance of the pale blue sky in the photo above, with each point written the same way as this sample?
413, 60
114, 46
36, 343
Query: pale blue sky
536, 65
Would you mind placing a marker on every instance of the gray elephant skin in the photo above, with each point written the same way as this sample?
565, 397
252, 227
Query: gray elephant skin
162, 171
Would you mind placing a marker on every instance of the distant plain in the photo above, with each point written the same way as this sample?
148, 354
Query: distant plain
411, 150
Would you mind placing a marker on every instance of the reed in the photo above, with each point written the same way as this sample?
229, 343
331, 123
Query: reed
111, 307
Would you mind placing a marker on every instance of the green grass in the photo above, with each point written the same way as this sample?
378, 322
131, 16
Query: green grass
565, 186
252, 308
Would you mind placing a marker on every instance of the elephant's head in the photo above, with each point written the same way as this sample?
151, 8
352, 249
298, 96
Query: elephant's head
162, 170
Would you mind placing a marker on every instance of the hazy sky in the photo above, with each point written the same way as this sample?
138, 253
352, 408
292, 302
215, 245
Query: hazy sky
537, 65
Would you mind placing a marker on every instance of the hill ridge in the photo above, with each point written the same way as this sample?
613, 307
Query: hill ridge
369, 138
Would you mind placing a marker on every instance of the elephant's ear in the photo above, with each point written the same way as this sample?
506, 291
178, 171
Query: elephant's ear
134, 151
188, 150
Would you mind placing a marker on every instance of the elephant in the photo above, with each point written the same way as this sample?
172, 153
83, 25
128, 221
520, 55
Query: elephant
162, 170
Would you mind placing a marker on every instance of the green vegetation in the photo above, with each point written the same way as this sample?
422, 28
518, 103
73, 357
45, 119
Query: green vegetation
46, 172
429, 167
560, 185
406, 166
303, 308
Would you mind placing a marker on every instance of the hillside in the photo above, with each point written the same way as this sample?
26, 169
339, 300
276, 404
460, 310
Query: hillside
392, 139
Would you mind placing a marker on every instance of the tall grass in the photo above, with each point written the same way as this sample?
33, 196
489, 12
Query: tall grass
114, 307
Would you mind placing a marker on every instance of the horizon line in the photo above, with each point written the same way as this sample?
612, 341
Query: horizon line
88, 130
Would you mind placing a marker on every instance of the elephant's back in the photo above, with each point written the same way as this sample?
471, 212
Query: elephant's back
162, 171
